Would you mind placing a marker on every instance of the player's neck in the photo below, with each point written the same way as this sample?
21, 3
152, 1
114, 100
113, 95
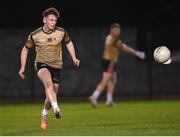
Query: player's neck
46, 29
113, 35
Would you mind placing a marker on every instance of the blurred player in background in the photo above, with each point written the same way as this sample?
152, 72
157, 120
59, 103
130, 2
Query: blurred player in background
48, 41
113, 46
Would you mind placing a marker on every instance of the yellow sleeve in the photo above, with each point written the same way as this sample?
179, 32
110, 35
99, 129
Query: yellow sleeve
29, 43
66, 39
119, 44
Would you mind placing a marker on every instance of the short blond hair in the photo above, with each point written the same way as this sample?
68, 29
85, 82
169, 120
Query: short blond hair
49, 11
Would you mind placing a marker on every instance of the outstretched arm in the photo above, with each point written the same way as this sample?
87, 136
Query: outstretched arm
71, 50
24, 53
132, 51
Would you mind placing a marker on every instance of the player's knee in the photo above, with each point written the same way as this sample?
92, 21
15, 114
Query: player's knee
48, 85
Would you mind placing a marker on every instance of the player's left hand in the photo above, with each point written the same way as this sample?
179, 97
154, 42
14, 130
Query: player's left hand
141, 54
76, 62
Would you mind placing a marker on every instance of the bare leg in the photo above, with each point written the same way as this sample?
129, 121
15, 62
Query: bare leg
56, 88
103, 83
100, 88
47, 106
45, 76
110, 88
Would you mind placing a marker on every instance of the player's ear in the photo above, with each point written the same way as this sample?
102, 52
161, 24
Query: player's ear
44, 20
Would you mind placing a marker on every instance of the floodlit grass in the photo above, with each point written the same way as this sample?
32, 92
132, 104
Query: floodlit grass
126, 118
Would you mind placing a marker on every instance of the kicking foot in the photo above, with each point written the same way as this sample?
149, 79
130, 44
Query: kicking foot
57, 113
93, 101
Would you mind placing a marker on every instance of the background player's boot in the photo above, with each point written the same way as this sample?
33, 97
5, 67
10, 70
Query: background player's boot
93, 101
44, 123
110, 104
57, 113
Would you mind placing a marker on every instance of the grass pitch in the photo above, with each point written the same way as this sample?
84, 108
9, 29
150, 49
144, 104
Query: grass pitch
126, 118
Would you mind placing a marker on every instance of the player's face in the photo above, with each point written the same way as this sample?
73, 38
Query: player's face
50, 21
116, 31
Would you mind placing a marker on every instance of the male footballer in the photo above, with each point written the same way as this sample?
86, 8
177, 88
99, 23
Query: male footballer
48, 41
113, 46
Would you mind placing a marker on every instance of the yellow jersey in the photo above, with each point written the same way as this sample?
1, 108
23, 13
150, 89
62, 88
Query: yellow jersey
48, 46
112, 48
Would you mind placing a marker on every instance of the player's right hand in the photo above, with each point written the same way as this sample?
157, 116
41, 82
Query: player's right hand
141, 54
76, 62
21, 73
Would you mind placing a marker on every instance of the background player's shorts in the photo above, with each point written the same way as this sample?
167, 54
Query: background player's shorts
108, 66
55, 72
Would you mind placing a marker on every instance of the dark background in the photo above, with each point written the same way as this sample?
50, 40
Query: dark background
145, 26
83, 13
155, 16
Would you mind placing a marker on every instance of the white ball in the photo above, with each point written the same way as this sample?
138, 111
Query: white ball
162, 54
